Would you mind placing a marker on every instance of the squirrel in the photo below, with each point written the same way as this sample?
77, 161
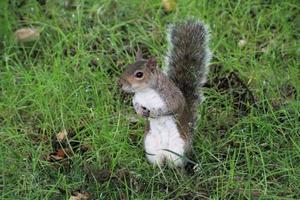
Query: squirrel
169, 98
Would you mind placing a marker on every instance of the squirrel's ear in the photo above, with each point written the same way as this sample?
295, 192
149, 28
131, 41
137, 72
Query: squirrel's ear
151, 63
139, 55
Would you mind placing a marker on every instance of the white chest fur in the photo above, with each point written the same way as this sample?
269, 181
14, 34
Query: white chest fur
149, 98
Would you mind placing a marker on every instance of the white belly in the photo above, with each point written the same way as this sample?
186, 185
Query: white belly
164, 141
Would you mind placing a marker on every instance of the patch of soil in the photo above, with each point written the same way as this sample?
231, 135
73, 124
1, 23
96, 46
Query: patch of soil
94, 45
100, 175
93, 64
64, 147
71, 51
20, 3
42, 2
288, 91
117, 179
230, 83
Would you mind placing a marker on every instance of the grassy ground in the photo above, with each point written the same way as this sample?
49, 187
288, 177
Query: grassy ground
247, 139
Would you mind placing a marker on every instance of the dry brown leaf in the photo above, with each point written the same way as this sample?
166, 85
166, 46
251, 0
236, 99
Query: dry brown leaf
169, 5
264, 49
60, 154
61, 135
242, 43
27, 34
80, 196
56, 157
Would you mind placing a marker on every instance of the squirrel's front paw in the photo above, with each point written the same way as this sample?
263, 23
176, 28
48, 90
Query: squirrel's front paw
145, 112
141, 110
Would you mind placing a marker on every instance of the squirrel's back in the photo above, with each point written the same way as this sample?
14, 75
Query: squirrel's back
188, 59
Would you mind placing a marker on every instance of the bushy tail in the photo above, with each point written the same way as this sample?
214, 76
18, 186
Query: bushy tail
188, 59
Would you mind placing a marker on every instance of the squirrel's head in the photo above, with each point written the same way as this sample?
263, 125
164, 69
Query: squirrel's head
139, 75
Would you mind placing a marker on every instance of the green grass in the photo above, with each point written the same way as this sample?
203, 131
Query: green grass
44, 88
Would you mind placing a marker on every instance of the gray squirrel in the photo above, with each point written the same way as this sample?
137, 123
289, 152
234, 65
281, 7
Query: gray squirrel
169, 98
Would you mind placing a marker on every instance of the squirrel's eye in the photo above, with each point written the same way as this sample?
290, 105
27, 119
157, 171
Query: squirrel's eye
139, 75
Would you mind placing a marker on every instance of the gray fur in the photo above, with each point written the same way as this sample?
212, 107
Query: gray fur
172, 95
187, 60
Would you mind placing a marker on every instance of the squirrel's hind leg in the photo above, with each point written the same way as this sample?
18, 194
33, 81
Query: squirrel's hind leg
176, 152
153, 150
140, 110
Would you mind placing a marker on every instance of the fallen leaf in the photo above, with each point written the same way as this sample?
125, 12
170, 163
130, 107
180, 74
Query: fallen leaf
169, 5
27, 34
61, 135
80, 196
242, 43
264, 49
59, 154
56, 157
